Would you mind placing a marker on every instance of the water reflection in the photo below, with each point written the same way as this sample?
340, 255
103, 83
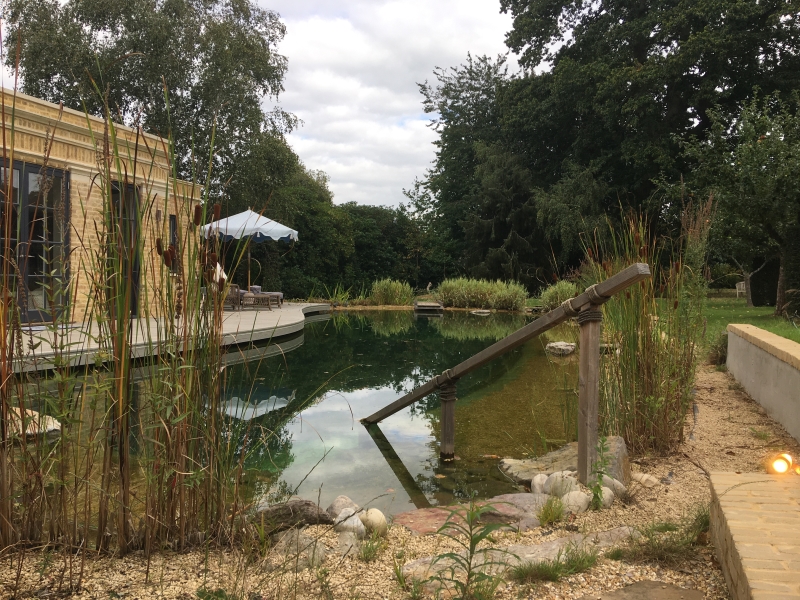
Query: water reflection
313, 445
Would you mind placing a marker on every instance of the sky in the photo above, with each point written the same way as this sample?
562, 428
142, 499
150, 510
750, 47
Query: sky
354, 66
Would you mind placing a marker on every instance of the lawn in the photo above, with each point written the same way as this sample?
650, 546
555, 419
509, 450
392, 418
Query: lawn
722, 311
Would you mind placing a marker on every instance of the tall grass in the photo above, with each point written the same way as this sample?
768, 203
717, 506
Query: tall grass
656, 328
388, 292
479, 293
144, 457
552, 296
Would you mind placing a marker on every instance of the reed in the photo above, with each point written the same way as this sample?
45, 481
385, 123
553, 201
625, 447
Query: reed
479, 293
655, 329
144, 457
388, 292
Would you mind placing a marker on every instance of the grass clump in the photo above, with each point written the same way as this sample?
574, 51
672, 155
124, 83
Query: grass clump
718, 349
575, 559
554, 295
389, 292
551, 512
666, 543
479, 293
372, 547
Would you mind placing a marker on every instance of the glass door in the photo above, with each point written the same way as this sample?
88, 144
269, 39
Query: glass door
126, 220
36, 235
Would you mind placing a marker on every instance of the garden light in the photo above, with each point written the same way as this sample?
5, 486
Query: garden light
782, 463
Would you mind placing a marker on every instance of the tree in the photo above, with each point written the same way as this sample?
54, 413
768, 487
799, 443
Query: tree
216, 61
751, 163
630, 80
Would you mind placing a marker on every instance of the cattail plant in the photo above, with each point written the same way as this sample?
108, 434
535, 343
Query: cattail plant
654, 330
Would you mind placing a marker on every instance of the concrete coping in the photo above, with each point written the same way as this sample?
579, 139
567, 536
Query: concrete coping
781, 348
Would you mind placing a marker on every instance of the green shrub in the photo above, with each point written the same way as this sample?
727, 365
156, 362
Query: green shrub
554, 295
479, 293
388, 292
575, 559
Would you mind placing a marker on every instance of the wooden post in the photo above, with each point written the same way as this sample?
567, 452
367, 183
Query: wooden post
590, 319
447, 394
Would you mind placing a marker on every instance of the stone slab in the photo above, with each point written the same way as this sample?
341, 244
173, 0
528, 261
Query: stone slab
648, 590
755, 529
566, 459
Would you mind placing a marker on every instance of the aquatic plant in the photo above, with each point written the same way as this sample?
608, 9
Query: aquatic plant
655, 328
553, 295
389, 292
479, 293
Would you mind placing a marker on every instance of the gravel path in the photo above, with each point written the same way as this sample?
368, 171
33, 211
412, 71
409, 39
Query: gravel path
732, 433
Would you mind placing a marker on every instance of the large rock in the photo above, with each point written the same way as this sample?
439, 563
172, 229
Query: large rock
576, 502
643, 590
560, 348
566, 459
339, 504
561, 483
300, 550
374, 521
537, 483
348, 521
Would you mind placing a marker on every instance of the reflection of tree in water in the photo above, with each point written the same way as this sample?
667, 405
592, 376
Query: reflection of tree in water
368, 350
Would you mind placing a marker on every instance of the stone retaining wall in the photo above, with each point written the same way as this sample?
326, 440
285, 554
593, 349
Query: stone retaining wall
768, 367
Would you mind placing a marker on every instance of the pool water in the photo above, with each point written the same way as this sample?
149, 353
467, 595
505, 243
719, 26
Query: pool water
299, 410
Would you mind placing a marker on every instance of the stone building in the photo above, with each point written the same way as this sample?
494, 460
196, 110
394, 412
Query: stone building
70, 173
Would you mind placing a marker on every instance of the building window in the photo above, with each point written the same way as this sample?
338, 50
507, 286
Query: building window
173, 239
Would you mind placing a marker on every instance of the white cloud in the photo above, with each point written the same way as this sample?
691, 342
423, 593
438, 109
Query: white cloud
353, 73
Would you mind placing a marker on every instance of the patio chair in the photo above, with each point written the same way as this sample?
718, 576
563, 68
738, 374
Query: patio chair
740, 289
233, 298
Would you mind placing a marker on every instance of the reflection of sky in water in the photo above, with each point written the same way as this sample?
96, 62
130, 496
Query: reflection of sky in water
366, 362
353, 465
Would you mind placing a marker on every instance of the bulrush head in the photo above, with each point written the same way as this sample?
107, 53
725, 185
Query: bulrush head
198, 215
159, 247
217, 211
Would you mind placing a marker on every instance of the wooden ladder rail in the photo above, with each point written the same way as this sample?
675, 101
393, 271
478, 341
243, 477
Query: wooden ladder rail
585, 308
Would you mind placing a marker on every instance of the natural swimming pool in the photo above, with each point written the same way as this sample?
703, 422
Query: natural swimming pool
299, 411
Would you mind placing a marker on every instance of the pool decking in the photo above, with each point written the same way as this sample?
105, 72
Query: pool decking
81, 347
755, 527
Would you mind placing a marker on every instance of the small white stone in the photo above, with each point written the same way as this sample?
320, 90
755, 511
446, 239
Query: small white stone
537, 483
608, 497
347, 520
560, 348
560, 483
374, 521
576, 502
614, 485
644, 479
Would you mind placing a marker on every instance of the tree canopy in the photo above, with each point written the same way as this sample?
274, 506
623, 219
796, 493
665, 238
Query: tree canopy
215, 61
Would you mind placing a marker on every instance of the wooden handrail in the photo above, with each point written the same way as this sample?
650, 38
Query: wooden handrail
593, 296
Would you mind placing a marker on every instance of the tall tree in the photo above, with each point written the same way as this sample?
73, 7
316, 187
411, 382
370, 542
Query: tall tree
751, 162
217, 59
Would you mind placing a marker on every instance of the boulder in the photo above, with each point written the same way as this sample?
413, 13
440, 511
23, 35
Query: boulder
576, 502
644, 479
608, 497
619, 467
347, 521
537, 483
340, 503
560, 348
560, 483
348, 543
374, 521
301, 551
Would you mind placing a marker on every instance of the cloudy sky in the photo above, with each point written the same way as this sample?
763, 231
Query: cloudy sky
353, 70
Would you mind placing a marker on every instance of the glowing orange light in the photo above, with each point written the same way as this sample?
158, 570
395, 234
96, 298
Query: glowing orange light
782, 464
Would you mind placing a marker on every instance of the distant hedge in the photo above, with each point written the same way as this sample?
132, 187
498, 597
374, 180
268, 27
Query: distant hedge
557, 293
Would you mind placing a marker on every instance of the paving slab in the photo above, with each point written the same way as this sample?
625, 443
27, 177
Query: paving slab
755, 528
648, 590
